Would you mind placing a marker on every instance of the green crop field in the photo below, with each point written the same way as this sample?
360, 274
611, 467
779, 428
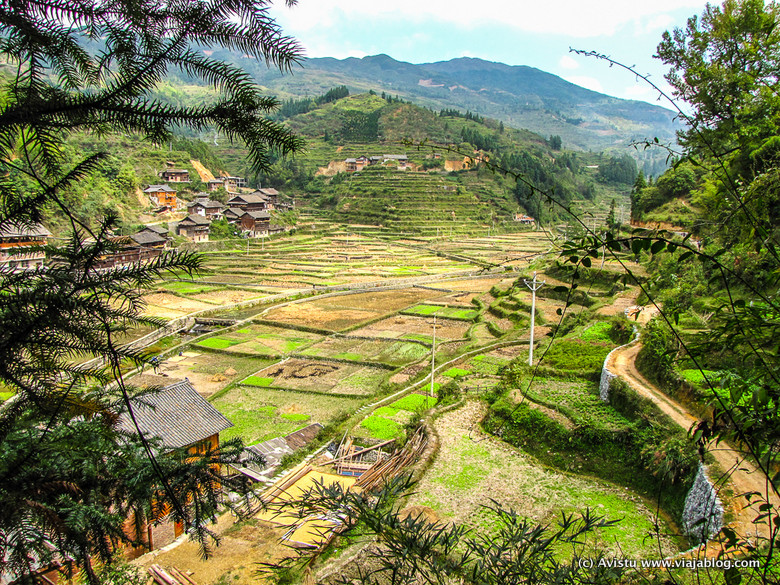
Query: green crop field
368, 350
259, 414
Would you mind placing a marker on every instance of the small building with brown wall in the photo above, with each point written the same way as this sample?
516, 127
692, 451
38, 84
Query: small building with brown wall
183, 419
162, 196
206, 207
195, 227
17, 247
256, 201
175, 176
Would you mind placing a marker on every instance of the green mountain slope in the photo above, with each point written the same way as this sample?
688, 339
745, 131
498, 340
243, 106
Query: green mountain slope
522, 97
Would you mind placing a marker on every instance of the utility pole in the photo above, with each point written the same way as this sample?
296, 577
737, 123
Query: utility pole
534, 286
433, 353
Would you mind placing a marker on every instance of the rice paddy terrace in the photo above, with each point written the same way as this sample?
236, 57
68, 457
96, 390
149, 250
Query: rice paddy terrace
359, 361
422, 203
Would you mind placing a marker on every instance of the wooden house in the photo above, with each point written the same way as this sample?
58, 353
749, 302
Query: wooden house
195, 227
356, 164
182, 419
16, 247
206, 207
255, 223
162, 196
234, 214
215, 184
256, 201
175, 176
524, 219
137, 248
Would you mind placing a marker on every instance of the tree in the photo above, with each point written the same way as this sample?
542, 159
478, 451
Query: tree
611, 221
68, 476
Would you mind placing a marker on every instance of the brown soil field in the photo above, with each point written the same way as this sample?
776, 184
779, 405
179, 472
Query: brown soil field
309, 314
234, 561
170, 306
399, 325
228, 296
208, 372
472, 284
323, 376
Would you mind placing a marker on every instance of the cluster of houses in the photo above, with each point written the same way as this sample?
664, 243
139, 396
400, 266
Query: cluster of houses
359, 163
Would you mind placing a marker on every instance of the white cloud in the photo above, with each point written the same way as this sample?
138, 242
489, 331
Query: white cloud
573, 18
567, 62
586, 82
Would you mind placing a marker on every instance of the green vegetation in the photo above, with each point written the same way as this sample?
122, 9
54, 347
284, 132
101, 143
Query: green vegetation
257, 381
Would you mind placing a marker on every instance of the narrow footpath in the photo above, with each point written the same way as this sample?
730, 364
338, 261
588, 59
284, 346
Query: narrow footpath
743, 477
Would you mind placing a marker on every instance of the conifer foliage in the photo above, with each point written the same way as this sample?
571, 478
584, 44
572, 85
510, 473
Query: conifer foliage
70, 478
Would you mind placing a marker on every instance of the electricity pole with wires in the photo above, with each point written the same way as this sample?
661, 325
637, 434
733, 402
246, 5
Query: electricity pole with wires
534, 286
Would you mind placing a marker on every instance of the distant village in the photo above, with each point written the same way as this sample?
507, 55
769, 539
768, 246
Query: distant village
249, 211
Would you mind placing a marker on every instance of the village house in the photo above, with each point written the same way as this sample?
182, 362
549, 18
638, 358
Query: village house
214, 184
195, 227
175, 176
400, 159
206, 207
162, 196
15, 247
234, 214
255, 201
356, 164
234, 183
256, 223
524, 219
182, 419
137, 248
157, 229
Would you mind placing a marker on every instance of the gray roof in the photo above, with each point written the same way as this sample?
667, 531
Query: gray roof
255, 197
196, 219
206, 203
177, 414
259, 214
147, 237
156, 228
268, 191
17, 230
158, 188
237, 211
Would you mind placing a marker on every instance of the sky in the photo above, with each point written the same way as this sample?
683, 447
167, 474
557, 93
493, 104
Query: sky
537, 33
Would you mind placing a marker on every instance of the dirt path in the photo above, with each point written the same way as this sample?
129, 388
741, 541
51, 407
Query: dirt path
743, 477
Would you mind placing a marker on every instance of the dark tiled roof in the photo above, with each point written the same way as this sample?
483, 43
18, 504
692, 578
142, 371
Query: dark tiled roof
237, 211
268, 191
255, 197
196, 219
259, 214
35, 230
303, 437
158, 188
147, 237
177, 414
156, 228
205, 203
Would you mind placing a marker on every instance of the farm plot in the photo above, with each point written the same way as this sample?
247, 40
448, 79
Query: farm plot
261, 340
321, 376
259, 414
459, 313
387, 422
579, 401
394, 353
210, 372
342, 312
477, 284
413, 327
169, 306
472, 468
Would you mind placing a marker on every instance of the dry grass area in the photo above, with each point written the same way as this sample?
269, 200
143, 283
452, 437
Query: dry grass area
399, 325
234, 561
472, 468
208, 372
312, 315
224, 297
477, 284
167, 306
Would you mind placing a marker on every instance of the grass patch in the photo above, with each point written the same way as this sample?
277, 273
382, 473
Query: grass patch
598, 332
382, 428
415, 402
217, 343
257, 381
576, 355
695, 376
457, 372
295, 417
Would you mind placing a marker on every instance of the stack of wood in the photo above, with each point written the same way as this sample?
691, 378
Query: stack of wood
172, 576
349, 458
382, 471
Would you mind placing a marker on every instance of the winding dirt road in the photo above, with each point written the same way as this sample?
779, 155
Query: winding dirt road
742, 475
